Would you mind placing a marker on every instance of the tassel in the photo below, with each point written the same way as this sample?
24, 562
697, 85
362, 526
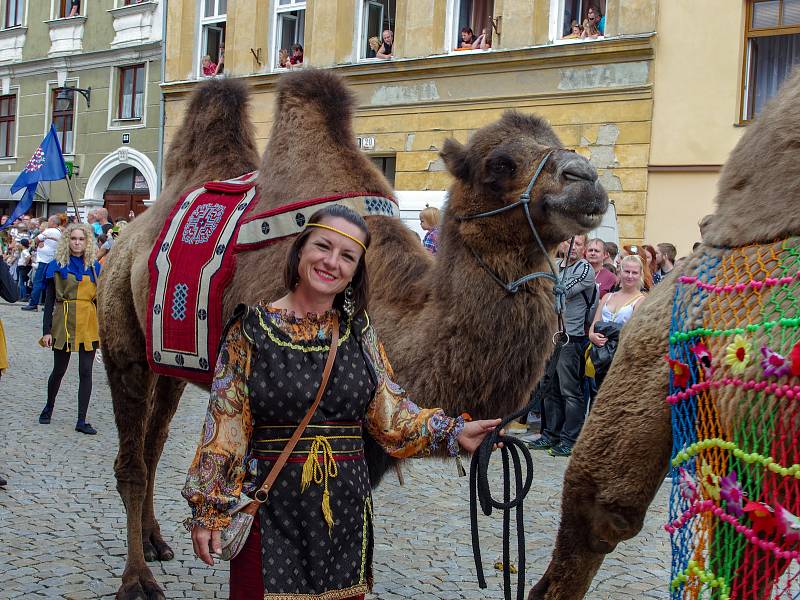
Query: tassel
308, 471
326, 510
462, 472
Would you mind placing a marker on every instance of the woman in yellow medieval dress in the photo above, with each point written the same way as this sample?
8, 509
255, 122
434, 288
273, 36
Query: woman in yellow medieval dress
70, 317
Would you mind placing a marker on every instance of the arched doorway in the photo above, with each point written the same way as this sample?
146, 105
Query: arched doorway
126, 192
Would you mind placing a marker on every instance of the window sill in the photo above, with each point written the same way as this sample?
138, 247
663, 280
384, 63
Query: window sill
8, 160
13, 28
455, 52
64, 20
120, 124
563, 41
148, 5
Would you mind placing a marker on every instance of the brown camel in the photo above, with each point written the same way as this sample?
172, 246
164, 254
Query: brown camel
484, 348
623, 453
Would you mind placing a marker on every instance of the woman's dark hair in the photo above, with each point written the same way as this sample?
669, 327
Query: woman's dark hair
360, 283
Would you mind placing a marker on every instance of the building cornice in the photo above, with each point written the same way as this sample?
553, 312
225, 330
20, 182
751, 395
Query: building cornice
609, 50
82, 61
141, 7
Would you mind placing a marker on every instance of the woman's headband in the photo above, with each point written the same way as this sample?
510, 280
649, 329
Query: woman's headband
339, 231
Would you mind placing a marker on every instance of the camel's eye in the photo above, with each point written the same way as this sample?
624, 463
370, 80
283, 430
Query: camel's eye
502, 166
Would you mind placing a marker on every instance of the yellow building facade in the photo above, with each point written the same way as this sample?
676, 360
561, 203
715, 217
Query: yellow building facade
597, 94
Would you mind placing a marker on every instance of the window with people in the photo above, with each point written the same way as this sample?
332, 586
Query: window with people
581, 19
473, 24
377, 29
213, 21
64, 9
772, 49
289, 27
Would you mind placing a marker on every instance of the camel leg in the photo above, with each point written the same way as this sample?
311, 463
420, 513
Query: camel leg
166, 395
620, 459
131, 383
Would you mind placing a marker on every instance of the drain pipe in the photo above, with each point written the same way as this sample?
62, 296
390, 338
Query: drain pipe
162, 109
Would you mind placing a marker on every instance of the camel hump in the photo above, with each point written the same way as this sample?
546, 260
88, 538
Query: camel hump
322, 90
215, 140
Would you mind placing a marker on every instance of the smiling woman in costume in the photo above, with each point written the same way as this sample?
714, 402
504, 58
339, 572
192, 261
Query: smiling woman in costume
313, 537
70, 317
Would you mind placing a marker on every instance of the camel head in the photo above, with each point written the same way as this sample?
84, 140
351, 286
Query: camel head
758, 194
496, 167
312, 141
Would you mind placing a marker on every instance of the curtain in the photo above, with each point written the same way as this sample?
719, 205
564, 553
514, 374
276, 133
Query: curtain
771, 60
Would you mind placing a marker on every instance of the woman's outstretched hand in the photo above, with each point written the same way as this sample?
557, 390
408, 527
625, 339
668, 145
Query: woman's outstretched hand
473, 433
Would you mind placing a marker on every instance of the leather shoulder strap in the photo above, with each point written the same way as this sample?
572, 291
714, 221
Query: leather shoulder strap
263, 491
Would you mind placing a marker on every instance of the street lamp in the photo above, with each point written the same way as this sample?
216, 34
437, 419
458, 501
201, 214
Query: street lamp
66, 93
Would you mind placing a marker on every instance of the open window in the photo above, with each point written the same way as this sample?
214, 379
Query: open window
772, 48
13, 12
213, 20
289, 28
63, 9
63, 109
577, 19
472, 20
377, 17
387, 165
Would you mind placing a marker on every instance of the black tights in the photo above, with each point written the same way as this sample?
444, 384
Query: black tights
60, 364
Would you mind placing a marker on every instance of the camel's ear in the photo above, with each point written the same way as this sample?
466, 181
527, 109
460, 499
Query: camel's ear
454, 156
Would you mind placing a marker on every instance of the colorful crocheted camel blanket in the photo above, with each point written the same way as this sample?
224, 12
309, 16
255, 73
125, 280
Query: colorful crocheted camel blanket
194, 260
734, 360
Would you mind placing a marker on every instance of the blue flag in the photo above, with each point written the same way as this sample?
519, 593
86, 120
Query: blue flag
46, 164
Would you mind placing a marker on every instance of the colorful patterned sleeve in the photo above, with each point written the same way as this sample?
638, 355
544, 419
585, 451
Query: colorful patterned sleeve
402, 428
214, 483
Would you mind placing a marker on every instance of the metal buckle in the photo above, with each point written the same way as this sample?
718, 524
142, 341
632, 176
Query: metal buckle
560, 339
261, 495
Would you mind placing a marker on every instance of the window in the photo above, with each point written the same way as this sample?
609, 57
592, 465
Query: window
772, 48
377, 17
290, 24
8, 117
131, 92
568, 12
475, 15
212, 35
14, 10
64, 119
68, 8
387, 166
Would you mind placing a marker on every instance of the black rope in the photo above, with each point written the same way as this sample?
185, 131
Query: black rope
480, 493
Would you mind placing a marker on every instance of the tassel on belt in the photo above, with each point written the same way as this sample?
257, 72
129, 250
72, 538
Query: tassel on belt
316, 471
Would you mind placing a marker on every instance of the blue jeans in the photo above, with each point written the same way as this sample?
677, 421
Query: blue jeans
22, 282
38, 285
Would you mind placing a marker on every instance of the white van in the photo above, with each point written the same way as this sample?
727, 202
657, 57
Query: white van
411, 202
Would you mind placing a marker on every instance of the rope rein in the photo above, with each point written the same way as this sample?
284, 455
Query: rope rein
513, 447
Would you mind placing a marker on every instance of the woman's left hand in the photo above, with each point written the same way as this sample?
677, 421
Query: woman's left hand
473, 433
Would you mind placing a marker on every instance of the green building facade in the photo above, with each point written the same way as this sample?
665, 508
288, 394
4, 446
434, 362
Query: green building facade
110, 49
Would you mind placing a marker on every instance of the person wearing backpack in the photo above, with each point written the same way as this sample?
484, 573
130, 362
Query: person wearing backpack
564, 405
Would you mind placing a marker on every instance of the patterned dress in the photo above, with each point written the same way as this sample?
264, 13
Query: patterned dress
316, 527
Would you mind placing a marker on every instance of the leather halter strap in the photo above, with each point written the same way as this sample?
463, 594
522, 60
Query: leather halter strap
512, 287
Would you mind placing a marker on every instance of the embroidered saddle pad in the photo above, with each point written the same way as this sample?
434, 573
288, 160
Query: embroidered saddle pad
194, 259
734, 360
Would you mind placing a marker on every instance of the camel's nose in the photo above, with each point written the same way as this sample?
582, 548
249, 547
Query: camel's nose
577, 168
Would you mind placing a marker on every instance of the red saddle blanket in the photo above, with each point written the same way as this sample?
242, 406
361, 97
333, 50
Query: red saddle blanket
194, 259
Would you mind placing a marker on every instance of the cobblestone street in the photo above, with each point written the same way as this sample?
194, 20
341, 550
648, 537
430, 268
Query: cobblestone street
62, 524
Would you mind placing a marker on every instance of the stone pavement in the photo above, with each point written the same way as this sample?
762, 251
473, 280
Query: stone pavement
62, 524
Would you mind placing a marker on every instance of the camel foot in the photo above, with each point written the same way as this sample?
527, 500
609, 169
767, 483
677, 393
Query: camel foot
140, 589
155, 548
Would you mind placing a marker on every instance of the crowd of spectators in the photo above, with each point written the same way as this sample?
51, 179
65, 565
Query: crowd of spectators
592, 27
291, 58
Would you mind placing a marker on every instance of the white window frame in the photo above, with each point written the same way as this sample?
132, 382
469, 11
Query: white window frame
48, 111
121, 3
277, 9
557, 24
24, 20
360, 43
114, 122
452, 14
54, 10
14, 90
204, 22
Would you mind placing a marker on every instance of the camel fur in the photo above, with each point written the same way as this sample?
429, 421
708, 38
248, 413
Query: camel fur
623, 453
455, 338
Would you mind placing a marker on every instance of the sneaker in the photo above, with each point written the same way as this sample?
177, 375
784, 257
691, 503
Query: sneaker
85, 428
29, 307
44, 418
542, 443
560, 450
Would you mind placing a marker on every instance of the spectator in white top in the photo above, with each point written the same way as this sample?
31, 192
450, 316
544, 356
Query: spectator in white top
46, 242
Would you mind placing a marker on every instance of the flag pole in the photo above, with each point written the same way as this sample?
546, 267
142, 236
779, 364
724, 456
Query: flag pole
74, 202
